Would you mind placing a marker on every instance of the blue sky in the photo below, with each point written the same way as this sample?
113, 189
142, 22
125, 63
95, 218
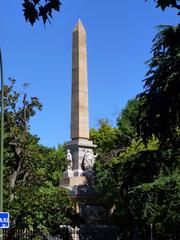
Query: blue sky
119, 38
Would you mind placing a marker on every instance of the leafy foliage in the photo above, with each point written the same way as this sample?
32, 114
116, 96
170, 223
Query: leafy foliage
160, 113
127, 121
105, 137
31, 171
158, 202
137, 185
35, 9
39, 9
140, 185
125, 165
163, 4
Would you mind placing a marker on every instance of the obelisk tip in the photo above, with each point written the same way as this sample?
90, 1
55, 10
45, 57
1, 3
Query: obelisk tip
79, 26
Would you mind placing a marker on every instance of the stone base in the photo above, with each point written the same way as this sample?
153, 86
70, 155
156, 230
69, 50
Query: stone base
85, 200
70, 182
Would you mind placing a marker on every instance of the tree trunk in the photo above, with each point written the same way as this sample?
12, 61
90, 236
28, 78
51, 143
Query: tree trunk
12, 179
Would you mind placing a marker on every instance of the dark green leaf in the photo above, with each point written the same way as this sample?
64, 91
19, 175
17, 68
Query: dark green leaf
30, 12
55, 4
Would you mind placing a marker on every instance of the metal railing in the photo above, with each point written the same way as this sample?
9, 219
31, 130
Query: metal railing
86, 233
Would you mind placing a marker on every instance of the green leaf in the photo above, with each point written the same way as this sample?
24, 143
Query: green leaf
30, 12
55, 4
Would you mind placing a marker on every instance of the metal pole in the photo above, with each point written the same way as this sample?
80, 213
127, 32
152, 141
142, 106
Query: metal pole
151, 227
2, 140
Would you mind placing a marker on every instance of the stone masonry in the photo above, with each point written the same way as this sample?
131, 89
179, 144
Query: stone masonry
80, 143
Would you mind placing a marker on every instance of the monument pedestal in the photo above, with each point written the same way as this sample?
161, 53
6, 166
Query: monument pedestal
70, 182
78, 148
76, 180
85, 200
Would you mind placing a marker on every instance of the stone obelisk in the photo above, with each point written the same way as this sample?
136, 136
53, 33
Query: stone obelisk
79, 102
80, 146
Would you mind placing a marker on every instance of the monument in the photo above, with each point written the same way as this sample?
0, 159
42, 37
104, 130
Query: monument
80, 150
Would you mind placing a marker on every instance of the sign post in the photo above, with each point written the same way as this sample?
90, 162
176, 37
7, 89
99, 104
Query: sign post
2, 140
4, 220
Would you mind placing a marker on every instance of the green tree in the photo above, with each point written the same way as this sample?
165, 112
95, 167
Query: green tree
18, 139
39, 9
31, 171
105, 137
163, 4
158, 203
141, 184
127, 121
126, 170
160, 113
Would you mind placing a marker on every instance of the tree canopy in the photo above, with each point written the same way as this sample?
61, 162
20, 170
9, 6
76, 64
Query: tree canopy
160, 113
163, 4
35, 10
31, 171
140, 184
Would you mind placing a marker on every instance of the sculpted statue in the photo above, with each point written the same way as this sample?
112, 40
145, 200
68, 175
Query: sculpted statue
69, 160
88, 162
89, 159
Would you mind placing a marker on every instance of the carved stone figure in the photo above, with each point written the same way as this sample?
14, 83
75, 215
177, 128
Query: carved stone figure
89, 159
69, 159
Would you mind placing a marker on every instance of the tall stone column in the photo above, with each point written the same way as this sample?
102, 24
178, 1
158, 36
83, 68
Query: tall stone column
80, 144
79, 101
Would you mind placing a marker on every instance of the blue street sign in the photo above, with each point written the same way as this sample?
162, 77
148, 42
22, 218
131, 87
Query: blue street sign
4, 220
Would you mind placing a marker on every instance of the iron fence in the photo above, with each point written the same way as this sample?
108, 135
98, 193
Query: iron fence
86, 233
